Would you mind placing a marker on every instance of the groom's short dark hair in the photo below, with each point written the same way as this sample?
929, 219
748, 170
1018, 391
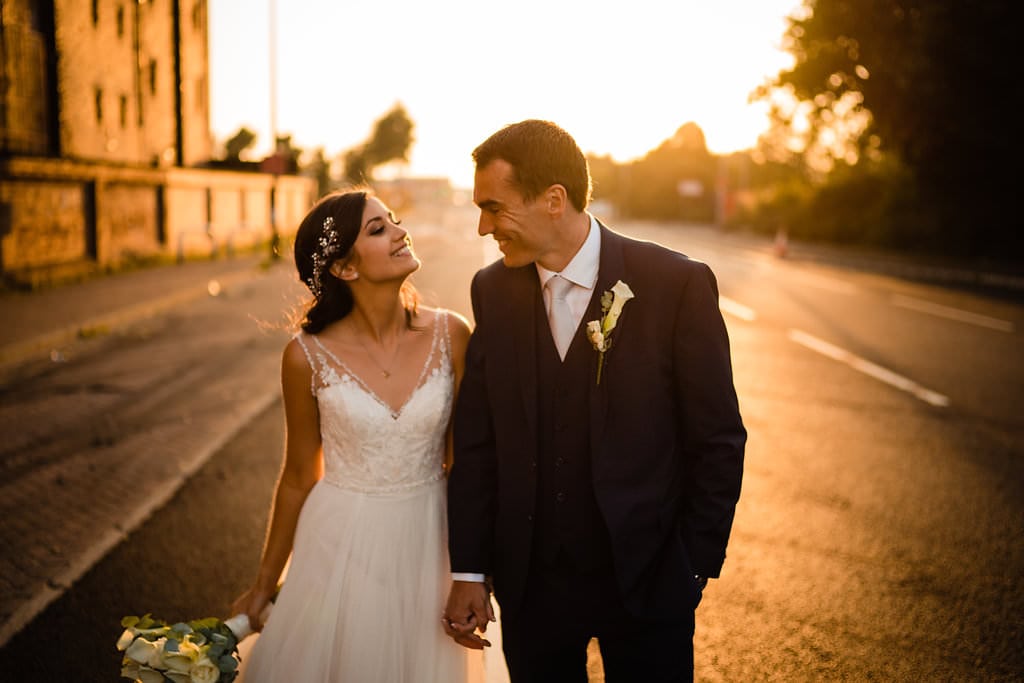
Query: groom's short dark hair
541, 155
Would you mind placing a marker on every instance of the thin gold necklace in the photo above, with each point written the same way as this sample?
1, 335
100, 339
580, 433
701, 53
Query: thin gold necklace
386, 371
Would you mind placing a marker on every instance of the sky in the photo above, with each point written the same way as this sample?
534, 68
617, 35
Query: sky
620, 76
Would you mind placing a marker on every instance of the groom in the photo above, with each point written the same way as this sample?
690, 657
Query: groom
597, 465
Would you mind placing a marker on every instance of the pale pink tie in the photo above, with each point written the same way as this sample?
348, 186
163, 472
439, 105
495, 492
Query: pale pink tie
559, 315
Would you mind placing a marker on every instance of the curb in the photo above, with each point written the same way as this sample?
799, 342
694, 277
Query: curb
19, 352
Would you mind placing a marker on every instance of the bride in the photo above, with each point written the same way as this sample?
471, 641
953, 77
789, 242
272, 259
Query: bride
359, 506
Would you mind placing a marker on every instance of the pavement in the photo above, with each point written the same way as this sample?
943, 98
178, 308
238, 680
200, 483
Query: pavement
38, 328
37, 324
51, 534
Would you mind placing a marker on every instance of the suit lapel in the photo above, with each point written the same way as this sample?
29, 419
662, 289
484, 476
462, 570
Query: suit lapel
522, 312
611, 270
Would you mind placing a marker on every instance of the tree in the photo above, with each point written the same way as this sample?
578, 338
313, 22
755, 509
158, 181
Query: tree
390, 141
238, 143
317, 168
674, 181
924, 83
356, 167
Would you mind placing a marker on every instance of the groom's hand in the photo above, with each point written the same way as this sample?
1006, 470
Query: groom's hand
469, 609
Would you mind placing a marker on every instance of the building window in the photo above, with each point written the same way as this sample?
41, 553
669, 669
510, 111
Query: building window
152, 77
120, 21
95, 12
124, 112
98, 98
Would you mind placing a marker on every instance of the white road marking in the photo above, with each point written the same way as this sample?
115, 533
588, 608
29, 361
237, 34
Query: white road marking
953, 313
736, 309
868, 368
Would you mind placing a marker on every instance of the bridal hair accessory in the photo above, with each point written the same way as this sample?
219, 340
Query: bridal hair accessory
599, 331
327, 251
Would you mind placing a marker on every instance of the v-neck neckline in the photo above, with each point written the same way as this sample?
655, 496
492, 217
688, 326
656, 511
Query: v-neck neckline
362, 384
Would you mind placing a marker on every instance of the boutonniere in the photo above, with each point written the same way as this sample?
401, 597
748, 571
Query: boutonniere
599, 332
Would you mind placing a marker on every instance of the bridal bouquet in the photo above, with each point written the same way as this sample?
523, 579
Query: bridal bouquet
200, 651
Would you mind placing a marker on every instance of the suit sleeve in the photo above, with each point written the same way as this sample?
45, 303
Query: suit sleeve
472, 485
713, 435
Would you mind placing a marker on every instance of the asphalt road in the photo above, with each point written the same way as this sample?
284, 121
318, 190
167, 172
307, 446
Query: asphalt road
879, 533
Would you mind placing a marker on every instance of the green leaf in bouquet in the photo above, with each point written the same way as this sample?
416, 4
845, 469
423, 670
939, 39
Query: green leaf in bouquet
215, 652
207, 624
219, 638
182, 629
227, 663
129, 621
146, 622
172, 645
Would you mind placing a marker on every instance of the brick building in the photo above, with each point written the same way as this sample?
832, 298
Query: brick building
104, 131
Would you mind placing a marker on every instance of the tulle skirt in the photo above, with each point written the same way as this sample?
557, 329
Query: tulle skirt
364, 594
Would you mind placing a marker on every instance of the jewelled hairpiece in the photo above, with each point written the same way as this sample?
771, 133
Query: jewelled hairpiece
327, 251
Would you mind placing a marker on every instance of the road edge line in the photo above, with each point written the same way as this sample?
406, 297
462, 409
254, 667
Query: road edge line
884, 375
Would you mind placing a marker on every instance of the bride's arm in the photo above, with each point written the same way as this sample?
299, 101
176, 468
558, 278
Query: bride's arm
303, 467
458, 333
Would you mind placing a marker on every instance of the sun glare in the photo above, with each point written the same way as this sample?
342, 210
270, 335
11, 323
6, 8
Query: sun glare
620, 81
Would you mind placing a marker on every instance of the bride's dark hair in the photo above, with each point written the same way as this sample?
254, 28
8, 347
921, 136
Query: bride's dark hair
326, 235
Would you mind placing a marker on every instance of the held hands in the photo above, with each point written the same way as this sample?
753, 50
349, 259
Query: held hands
468, 609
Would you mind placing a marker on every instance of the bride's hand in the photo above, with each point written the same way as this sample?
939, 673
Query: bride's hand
253, 604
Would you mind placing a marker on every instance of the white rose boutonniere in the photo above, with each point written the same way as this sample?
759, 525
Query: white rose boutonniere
599, 331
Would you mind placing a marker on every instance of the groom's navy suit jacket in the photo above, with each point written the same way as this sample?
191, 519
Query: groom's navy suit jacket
666, 438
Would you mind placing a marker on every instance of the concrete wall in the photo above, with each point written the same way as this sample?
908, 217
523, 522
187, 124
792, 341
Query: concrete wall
45, 223
61, 219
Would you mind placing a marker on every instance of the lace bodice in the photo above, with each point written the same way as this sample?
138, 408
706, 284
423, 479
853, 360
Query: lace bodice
369, 447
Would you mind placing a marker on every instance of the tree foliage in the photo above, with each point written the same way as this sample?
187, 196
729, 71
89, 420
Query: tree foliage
238, 143
928, 82
317, 167
674, 181
392, 137
391, 140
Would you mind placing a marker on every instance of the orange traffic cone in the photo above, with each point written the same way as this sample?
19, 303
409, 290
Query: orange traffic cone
781, 246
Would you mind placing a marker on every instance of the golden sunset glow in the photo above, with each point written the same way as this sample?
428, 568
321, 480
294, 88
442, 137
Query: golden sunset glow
621, 77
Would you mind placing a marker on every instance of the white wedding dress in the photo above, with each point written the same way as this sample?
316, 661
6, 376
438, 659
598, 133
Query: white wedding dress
369, 574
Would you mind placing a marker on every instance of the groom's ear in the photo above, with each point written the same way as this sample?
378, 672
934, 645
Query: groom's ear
556, 199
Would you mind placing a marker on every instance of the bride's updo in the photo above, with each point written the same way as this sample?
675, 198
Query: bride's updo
326, 235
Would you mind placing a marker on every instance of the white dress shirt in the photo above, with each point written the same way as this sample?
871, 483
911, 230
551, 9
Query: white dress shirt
582, 272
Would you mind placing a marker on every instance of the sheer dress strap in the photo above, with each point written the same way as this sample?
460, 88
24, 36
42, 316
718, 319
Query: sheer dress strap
446, 337
309, 359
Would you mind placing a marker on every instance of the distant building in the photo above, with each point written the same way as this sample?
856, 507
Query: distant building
104, 123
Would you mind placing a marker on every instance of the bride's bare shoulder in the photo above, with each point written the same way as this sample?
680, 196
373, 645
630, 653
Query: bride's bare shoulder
295, 357
458, 326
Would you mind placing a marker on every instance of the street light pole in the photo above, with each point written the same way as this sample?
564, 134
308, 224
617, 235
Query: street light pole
275, 239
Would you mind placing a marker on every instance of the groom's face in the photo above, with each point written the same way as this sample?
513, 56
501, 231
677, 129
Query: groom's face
521, 228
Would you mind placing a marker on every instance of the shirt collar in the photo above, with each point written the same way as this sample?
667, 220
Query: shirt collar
582, 269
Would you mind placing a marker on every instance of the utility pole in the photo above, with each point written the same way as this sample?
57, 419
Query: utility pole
275, 238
